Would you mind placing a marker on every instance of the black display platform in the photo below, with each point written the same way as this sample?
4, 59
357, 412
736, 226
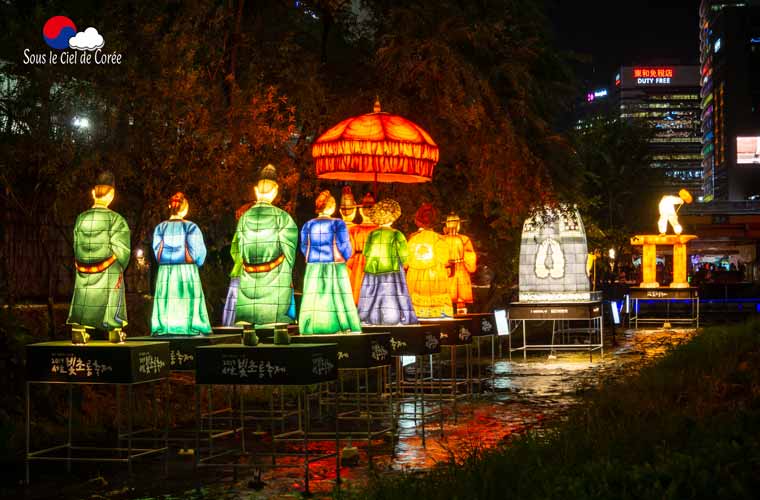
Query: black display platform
410, 340
227, 330
481, 324
664, 293
453, 331
355, 350
266, 364
182, 347
555, 310
266, 333
97, 362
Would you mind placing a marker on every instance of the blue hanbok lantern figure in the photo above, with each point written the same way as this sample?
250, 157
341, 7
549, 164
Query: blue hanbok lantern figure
179, 306
327, 305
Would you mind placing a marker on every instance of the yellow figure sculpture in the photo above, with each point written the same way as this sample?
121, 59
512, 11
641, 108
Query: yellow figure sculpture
669, 212
462, 262
669, 206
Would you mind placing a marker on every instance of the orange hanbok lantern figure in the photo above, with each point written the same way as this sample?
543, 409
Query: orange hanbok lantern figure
462, 262
427, 276
358, 234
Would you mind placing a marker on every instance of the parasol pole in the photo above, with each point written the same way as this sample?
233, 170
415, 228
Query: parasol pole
376, 109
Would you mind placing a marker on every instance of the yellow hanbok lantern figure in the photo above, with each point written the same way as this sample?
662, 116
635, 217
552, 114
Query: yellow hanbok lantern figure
358, 235
101, 254
669, 206
462, 262
427, 277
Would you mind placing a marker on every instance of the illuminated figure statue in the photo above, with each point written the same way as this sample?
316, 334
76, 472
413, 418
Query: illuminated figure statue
265, 241
101, 253
669, 212
358, 234
228, 314
348, 207
327, 305
179, 306
384, 297
427, 276
462, 262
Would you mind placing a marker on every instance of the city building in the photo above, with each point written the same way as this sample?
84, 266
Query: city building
667, 98
730, 93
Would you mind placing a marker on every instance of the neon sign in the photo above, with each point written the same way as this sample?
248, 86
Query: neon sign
653, 76
596, 94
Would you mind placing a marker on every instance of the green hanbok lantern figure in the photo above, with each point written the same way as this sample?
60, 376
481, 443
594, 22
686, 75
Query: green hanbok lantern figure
101, 253
179, 306
265, 240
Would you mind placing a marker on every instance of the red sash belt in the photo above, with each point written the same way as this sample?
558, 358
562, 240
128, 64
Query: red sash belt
265, 267
95, 268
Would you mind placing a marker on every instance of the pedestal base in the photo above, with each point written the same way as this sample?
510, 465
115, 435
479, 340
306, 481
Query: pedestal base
182, 347
355, 350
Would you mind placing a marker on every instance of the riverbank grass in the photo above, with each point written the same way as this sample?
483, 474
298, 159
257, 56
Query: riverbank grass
686, 426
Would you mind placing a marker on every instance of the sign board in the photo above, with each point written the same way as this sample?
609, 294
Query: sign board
97, 362
554, 310
182, 347
266, 364
355, 350
664, 293
502, 325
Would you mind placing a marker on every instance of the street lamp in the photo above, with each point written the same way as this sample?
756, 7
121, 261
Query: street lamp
81, 122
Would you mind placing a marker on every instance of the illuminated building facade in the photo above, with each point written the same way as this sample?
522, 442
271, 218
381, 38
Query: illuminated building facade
730, 98
667, 98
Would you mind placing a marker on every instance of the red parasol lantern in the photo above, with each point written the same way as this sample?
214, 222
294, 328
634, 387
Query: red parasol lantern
378, 147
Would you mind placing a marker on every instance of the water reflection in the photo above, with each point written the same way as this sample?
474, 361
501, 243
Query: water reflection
521, 396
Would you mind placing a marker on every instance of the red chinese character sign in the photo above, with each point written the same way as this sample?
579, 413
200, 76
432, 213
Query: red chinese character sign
378, 147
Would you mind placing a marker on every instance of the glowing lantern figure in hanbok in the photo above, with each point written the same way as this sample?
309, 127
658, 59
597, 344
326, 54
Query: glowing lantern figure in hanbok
348, 207
228, 314
179, 306
462, 263
427, 276
327, 305
384, 297
265, 240
358, 234
101, 254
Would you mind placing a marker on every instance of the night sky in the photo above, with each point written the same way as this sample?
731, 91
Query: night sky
616, 33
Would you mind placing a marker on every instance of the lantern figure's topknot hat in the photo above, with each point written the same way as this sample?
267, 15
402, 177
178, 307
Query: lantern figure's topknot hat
105, 178
268, 173
368, 201
347, 200
426, 215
